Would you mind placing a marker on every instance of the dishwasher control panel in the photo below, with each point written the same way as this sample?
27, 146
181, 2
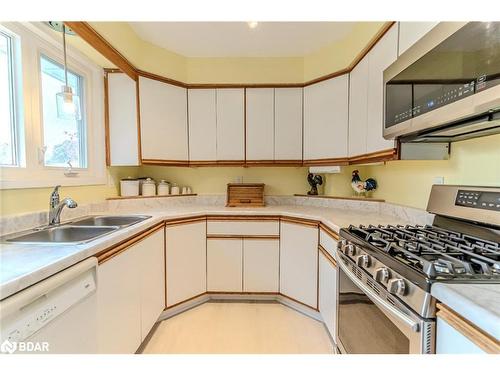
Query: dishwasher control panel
29, 318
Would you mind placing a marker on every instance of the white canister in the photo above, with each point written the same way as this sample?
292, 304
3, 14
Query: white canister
184, 190
163, 188
174, 190
148, 188
129, 187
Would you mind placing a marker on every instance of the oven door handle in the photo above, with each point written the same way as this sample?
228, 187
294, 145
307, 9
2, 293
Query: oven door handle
381, 304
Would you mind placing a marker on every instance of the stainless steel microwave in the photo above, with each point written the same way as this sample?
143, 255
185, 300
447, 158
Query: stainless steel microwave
446, 87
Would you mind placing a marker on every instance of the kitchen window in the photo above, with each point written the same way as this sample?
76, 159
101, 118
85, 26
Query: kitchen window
41, 147
64, 137
8, 133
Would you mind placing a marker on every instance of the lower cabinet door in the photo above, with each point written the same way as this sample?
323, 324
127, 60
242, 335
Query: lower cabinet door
261, 259
119, 304
328, 294
152, 280
224, 265
299, 262
450, 341
185, 259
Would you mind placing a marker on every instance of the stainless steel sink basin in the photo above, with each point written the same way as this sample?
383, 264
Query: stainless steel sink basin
120, 221
64, 234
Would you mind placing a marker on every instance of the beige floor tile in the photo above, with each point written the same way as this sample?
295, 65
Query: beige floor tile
238, 327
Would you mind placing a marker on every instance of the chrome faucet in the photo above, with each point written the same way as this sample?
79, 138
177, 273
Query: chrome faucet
56, 206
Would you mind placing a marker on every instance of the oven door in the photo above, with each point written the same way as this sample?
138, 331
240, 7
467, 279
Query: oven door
369, 324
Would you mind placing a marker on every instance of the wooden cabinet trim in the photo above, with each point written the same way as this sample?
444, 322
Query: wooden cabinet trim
329, 231
187, 220
300, 221
243, 218
373, 157
173, 163
242, 237
327, 256
480, 338
114, 250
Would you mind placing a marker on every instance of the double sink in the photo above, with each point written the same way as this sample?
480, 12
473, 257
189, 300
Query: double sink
79, 231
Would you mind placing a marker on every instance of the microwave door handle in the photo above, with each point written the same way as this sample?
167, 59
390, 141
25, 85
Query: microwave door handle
383, 305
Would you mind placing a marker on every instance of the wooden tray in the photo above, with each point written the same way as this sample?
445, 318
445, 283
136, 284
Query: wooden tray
245, 195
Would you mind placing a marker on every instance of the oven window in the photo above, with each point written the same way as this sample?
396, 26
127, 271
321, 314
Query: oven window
362, 327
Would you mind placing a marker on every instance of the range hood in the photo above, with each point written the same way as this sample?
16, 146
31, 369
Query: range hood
477, 126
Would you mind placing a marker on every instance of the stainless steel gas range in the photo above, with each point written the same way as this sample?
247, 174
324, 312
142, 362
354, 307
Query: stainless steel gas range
386, 272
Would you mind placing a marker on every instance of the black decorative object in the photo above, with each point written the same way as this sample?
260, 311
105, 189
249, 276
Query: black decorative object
314, 181
361, 187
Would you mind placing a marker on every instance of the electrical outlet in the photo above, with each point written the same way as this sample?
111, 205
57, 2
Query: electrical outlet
438, 180
238, 179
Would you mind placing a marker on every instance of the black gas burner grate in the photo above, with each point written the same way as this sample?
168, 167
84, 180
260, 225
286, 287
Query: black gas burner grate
434, 251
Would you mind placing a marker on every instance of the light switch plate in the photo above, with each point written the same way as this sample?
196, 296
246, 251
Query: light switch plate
438, 180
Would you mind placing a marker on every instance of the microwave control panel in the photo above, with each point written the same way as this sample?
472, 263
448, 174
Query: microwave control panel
485, 200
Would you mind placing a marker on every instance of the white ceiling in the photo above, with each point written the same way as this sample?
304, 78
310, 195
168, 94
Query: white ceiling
237, 39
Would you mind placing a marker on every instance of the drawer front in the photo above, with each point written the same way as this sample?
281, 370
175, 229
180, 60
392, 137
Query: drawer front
328, 243
243, 228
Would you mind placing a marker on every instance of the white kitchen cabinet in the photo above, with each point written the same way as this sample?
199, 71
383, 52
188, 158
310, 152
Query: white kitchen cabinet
152, 280
164, 131
299, 262
288, 124
130, 295
358, 107
122, 124
185, 246
261, 265
119, 304
230, 124
260, 124
326, 119
202, 122
451, 341
327, 303
383, 54
224, 265
411, 32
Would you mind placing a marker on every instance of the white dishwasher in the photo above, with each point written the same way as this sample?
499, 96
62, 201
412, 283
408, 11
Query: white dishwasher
56, 315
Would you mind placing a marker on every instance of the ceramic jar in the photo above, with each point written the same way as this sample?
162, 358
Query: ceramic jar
163, 188
129, 187
148, 188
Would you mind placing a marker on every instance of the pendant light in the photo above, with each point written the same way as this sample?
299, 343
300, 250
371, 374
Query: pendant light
68, 104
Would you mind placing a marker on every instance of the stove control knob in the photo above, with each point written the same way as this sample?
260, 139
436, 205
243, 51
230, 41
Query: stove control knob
397, 286
382, 274
363, 261
341, 244
350, 250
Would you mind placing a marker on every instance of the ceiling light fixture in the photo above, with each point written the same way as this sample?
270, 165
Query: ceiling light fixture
253, 24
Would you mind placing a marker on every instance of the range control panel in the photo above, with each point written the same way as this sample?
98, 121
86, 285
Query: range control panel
478, 199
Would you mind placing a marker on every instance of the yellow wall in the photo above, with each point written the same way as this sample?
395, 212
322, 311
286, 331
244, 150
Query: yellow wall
16, 201
153, 59
340, 54
472, 162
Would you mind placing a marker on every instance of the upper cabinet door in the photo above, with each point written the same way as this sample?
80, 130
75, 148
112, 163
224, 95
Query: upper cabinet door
122, 125
260, 124
326, 119
230, 124
164, 133
383, 54
411, 32
358, 107
202, 122
288, 124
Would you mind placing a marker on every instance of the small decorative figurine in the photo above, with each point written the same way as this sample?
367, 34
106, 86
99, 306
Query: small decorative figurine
361, 187
314, 181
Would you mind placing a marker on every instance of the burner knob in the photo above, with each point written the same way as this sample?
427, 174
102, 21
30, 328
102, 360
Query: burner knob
397, 286
350, 250
363, 261
382, 274
341, 244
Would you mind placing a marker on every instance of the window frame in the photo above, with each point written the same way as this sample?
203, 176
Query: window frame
36, 39
13, 94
